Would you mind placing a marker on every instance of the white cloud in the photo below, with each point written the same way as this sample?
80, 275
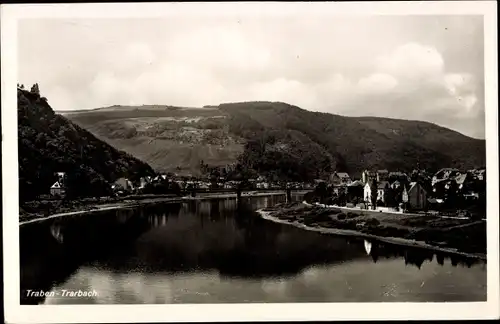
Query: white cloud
218, 48
412, 61
402, 67
377, 83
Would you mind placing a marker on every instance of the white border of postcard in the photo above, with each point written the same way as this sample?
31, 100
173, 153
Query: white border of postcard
16, 313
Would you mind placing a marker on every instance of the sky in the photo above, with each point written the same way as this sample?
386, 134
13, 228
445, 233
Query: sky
428, 68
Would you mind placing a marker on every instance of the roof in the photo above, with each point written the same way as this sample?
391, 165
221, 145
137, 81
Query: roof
414, 184
356, 183
445, 172
57, 184
398, 174
448, 169
342, 175
383, 171
460, 179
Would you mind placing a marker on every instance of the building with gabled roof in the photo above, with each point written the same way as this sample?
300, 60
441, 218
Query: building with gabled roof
417, 196
382, 190
396, 184
58, 189
367, 176
445, 174
340, 178
382, 175
122, 184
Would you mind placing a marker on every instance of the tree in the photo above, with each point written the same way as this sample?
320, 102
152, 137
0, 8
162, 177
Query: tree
392, 197
323, 192
451, 196
35, 89
374, 193
214, 177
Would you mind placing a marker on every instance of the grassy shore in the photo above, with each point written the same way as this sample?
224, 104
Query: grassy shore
463, 236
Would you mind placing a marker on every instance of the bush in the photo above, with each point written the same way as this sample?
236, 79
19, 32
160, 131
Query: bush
351, 215
341, 216
372, 222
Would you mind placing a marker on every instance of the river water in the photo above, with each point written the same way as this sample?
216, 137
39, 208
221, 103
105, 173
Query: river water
219, 251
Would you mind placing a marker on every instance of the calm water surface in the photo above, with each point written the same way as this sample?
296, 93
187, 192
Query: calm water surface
221, 252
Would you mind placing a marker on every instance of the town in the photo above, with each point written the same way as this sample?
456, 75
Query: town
448, 191
251, 156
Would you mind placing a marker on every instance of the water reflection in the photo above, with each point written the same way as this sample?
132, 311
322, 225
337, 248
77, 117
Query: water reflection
206, 251
416, 256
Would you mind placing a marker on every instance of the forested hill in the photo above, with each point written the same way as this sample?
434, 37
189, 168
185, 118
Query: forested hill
50, 143
275, 136
358, 143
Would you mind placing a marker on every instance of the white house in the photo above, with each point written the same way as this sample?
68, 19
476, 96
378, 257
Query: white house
262, 185
57, 189
396, 184
481, 175
367, 194
417, 196
382, 187
123, 184
144, 182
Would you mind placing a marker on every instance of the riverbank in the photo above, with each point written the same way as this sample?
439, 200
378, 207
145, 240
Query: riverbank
41, 210
456, 236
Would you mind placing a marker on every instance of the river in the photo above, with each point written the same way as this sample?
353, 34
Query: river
219, 251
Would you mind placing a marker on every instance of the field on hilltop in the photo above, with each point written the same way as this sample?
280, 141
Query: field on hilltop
312, 144
169, 139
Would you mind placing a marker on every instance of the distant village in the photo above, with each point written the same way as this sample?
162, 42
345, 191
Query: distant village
380, 189
173, 182
448, 188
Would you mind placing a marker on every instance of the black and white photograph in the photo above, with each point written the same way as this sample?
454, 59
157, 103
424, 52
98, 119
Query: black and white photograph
284, 160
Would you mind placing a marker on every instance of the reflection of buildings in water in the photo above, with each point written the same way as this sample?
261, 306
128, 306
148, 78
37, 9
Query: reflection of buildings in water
204, 209
440, 258
372, 250
374, 255
56, 232
214, 210
192, 207
159, 215
264, 202
417, 257
157, 220
430, 258
123, 215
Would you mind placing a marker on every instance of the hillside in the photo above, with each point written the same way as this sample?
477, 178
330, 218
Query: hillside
50, 143
176, 139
